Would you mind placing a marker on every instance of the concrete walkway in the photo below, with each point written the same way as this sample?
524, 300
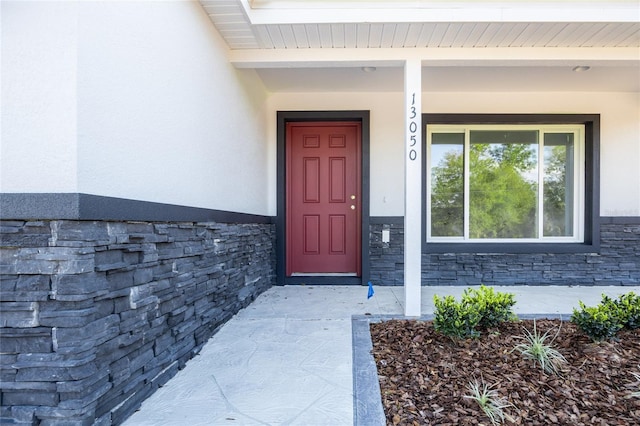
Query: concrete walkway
287, 358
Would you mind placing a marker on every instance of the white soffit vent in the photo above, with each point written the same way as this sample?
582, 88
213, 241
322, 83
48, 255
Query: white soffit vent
309, 24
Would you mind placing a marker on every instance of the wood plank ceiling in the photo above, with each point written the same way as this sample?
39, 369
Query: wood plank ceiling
229, 18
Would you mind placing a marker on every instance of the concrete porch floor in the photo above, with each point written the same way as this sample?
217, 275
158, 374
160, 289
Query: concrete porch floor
287, 358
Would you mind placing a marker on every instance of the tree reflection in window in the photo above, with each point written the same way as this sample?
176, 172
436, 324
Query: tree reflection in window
505, 174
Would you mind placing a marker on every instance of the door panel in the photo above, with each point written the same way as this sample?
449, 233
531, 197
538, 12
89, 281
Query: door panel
337, 178
311, 180
311, 237
338, 234
323, 219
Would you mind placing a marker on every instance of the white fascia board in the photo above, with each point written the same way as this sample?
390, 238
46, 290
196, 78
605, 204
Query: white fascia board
407, 12
505, 56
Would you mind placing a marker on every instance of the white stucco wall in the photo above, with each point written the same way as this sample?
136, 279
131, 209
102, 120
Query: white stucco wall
136, 99
620, 134
38, 145
129, 99
162, 115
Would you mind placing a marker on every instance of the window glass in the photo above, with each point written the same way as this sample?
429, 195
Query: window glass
558, 184
503, 184
447, 184
513, 183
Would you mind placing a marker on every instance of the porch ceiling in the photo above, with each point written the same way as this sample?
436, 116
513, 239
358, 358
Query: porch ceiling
465, 45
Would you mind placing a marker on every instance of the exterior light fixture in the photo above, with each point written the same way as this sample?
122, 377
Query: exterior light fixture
369, 69
581, 68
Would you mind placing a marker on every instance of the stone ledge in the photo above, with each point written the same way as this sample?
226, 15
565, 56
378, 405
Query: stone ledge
78, 206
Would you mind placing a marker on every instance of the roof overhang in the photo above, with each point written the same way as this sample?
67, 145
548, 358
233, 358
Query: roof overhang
525, 37
282, 12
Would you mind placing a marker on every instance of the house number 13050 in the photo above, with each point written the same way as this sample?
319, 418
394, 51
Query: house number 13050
413, 128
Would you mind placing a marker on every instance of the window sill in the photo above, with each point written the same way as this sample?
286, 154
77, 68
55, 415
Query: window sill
511, 248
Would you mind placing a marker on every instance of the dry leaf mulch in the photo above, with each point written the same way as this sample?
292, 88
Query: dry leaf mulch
424, 375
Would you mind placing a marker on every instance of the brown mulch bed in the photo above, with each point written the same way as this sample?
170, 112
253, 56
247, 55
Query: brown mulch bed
424, 375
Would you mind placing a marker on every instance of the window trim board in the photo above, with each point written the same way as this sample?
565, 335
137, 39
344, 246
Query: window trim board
591, 188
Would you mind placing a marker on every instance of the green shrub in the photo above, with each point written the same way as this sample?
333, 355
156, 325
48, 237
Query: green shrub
479, 309
610, 316
455, 319
597, 322
494, 307
627, 308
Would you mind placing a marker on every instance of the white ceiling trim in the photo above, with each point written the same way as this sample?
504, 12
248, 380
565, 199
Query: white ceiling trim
390, 57
331, 12
477, 35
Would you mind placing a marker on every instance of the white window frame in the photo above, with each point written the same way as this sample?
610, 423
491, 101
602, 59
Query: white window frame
578, 131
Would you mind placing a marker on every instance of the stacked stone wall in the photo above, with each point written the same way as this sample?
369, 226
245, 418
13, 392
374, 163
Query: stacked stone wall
387, 259
97, 315
616, 263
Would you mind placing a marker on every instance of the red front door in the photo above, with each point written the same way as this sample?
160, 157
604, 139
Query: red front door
323, 198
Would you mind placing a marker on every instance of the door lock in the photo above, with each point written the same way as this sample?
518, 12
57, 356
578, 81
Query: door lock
353, 207
353, 197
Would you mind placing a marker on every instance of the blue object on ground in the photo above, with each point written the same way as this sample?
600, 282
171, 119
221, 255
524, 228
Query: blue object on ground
370, 293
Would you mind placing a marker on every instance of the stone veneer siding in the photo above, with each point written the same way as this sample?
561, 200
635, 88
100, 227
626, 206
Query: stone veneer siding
617, 263
96, 315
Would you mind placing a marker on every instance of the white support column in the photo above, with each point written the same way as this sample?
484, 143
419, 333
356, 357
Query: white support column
413, 187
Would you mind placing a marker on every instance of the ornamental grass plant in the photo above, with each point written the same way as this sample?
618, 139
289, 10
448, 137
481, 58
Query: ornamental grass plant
489, 401
536, 348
